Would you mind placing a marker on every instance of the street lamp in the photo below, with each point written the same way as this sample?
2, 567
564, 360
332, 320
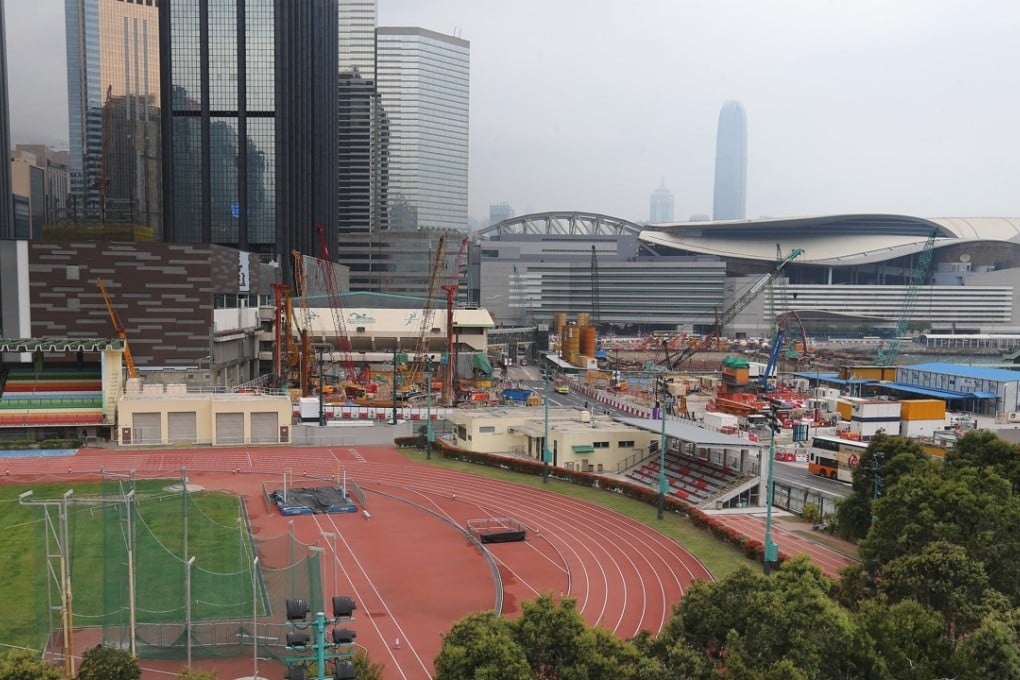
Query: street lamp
430, 436
545, 439
771, 549
662, 450
322, 385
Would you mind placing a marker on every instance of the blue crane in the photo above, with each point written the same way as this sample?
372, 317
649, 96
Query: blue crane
887, 353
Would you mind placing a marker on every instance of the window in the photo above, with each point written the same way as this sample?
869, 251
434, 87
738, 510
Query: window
626, 444
600, 445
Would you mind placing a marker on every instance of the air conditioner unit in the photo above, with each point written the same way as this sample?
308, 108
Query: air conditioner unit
1013, 416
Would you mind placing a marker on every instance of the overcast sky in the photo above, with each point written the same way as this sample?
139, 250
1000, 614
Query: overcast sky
906, 106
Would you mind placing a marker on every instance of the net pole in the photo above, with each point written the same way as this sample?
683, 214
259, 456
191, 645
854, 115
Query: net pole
254, 619
187, 606
128, 501
65, 567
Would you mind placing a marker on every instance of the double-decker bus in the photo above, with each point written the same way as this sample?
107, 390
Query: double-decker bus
834, 457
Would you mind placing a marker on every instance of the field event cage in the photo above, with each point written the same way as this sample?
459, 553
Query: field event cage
172, 563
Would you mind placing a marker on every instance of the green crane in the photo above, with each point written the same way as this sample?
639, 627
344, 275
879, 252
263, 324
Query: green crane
888, 352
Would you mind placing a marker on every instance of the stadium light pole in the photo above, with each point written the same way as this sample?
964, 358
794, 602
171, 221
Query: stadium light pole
662, 451
771, 549
430, 436
254, 619
545, 438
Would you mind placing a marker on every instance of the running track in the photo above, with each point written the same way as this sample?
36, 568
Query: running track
410, 568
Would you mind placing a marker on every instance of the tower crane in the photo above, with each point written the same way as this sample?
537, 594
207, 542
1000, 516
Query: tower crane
119, 328
343, 341
887, 353
422, 345
740, 304
459, 270
305, 351
777, 344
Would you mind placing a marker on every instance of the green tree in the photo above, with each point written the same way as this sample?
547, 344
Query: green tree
21, 664
887, 458
481, 646
984, 450
106, 663
364, 669
993, 650
909, 641
189, 674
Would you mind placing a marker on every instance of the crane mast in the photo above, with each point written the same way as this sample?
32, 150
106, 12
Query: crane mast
887, 353
422, 346
343, 341
459, 270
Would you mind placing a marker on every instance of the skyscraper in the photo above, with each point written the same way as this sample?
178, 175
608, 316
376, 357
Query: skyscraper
660, 206
251, 99
114, 111
423, 82
499, 212
730, 200
6, 195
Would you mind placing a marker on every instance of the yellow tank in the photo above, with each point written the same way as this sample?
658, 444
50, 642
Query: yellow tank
559, 323
570, 342
583, 319
587, 347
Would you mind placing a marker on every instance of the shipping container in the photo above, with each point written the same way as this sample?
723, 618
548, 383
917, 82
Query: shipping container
923, 409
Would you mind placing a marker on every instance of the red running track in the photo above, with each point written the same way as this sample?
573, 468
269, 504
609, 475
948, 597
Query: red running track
410, 567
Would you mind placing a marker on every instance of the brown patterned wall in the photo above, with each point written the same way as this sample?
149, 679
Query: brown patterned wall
163, 293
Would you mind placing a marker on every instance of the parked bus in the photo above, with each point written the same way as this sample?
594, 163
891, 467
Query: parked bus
834, 457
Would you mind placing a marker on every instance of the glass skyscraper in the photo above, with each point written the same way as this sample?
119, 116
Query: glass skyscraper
251, 92
423, 82
660, 205
730, 200
114, 111
6, 195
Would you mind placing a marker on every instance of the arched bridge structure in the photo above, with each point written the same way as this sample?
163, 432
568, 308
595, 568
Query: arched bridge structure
561, 223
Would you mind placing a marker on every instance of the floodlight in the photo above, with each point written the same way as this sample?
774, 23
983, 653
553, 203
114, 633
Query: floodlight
344, 670
298, 639
343, 636
343, 606
297, 610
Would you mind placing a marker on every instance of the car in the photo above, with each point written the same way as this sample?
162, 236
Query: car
562, 389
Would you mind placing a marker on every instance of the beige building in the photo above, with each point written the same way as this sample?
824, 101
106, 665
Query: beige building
151, 415
577, 440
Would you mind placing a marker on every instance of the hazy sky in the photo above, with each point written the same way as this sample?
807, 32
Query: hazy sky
907, 106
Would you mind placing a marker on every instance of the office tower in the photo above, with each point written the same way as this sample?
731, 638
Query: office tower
114, 111
423, 81
56, 179
251, 99
730, 201
499, 212
6, 194
660, 208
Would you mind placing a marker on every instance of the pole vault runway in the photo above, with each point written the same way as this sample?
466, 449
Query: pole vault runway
409, 563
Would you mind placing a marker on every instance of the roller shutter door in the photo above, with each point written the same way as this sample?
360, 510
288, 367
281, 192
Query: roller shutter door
182, 427
264, 428
147, 428
229, 428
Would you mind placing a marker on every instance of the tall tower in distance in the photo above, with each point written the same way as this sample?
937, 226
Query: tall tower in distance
6, 195
730, 199
660, 206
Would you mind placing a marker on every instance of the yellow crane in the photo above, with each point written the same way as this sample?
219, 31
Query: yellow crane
119, 328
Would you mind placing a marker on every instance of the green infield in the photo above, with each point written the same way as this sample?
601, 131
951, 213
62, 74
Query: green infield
166, 524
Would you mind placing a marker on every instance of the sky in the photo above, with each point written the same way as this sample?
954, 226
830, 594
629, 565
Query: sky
900, 106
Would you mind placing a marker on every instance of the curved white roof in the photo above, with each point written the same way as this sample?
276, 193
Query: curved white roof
840, 240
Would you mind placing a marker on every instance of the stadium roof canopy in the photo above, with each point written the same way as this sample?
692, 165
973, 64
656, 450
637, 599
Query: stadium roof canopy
58, 344
831, 240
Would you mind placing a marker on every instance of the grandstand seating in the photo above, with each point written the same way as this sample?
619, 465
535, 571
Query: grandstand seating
56, 395
690, 479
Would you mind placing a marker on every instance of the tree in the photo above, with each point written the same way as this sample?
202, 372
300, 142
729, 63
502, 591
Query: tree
481, 646
985, 451
909, 641
993, 650
189, 674
364, 669
21, 664
106, 663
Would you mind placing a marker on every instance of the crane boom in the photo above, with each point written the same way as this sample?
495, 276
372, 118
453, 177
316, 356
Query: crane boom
887, 353
343, 341
119, 328
459, 269
741, 303
422, 348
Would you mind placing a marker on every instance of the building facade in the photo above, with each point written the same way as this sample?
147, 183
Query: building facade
113, 67
660, 206
730, 197
423, 83
251, 92
499, 212
6, 194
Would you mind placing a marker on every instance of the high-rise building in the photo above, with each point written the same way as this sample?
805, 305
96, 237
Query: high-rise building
660, 206
730, 200
250, 92
423, 81
499, 212
6, 194
114, 111
56, 180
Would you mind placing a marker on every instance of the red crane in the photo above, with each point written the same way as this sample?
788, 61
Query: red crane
459, 271
343, 341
